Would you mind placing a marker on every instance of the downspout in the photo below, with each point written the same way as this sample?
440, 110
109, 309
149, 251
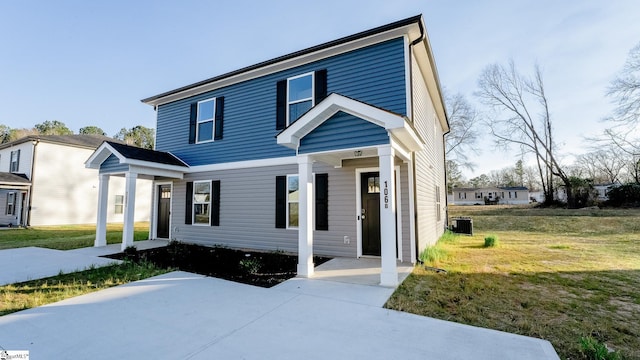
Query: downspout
33, 166
413, 155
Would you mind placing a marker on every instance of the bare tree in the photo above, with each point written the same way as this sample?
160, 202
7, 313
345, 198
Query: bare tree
463, 122
606, 165
521, 117
625, 92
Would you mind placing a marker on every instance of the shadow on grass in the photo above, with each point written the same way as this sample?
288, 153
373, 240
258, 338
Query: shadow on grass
560, 307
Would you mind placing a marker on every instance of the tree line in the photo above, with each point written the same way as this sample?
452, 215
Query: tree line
517, 114
137, 136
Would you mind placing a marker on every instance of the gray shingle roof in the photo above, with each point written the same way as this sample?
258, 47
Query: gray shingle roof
136, 153
79, 140
9, 178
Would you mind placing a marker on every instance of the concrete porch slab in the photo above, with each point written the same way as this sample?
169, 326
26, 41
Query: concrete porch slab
115, 248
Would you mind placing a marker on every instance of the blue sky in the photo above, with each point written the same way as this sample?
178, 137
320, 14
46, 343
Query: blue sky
90, 62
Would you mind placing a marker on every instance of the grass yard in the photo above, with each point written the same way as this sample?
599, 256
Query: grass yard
556, 274
21, 296
65, 237
26, 295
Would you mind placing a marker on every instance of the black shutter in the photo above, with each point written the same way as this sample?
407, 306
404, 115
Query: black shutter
215, 205
188, 206
219, 117
7, 212
322, 201
281, 104
193, 121
281, 202
320, 86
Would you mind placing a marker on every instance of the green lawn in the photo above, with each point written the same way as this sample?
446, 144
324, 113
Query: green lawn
65, 237
21, 296
557, 274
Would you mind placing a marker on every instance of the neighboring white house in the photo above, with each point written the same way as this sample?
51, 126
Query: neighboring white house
503, 195
43, 181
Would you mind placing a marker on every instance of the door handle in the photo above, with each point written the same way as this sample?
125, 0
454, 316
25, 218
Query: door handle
362, 217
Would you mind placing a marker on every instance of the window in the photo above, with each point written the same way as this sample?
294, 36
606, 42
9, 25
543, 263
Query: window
515, 194
288, 197
293, 197
119, 204
201, 202
206, 122
15, 161
297, 94
202, 205
373, 185
11, 203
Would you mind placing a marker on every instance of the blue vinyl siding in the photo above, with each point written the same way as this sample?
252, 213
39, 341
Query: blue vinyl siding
112, 165
343, 131
374, 75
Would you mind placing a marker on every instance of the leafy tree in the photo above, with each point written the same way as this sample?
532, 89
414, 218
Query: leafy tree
54, 127
138, 136
92, 130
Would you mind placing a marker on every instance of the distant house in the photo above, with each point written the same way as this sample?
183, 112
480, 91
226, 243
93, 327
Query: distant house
43, 181
333, 150
503, 195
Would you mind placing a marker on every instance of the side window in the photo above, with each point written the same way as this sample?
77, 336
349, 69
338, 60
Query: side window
11, 203
15, 161
119, 204
206, 120
297, 94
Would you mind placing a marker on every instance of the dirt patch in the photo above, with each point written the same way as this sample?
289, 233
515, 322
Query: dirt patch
265, 269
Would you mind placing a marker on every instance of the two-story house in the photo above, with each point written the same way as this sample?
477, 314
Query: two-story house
43, 182
333, 150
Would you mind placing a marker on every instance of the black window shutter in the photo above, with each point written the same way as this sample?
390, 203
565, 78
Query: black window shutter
219, 117
281, 104
320, 85
7, 212
193, 120
281, 202
322, 201
215, 206
188, 206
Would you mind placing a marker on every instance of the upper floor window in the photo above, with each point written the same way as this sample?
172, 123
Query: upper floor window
206, 112
206, 122
15, 161
299, 96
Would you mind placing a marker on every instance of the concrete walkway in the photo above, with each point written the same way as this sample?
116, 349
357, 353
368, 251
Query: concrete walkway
31, 263
186, 316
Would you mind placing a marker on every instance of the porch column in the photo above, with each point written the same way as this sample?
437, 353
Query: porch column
103, 202
389, 274
129, 209
305, 216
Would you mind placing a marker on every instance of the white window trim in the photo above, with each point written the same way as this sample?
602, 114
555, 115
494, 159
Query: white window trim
17, 162
313, 201
313, 92
116, 204
213, 121
193, 203
12, 204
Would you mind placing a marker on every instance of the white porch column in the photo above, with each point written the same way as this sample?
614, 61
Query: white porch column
389, 274
129, 209
305, 216
103, 202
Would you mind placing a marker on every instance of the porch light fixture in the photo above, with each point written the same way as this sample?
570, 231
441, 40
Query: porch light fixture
357, 153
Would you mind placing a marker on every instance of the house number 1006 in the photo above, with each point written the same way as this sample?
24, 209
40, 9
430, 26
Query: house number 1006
386, 195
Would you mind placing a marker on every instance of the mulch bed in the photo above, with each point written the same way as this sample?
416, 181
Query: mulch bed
264, 269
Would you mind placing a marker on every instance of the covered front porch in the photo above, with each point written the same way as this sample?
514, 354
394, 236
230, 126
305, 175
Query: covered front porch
340, 129
15, 193
132, 163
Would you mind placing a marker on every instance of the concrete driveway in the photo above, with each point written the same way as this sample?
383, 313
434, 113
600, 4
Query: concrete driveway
186, 316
